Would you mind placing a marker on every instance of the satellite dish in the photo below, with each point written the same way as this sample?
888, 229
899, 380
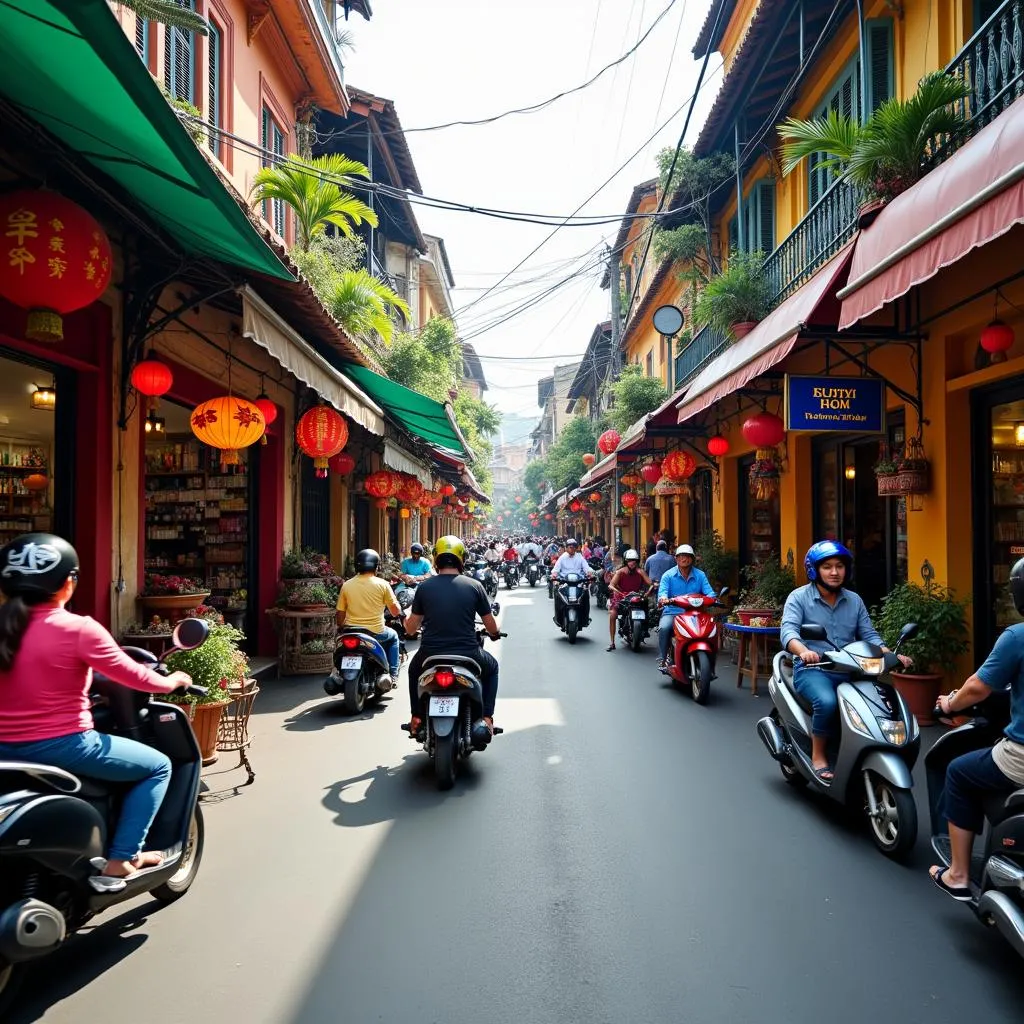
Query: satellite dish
668, 320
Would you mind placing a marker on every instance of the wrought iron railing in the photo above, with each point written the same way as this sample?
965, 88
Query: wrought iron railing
706, 344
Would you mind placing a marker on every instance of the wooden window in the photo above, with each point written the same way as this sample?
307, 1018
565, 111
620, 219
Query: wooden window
180, 61
272, 141
650, 364
878, 40
759, 217
215, 86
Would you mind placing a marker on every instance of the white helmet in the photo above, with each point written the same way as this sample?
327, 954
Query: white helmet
685, 549
631, 556
572, 541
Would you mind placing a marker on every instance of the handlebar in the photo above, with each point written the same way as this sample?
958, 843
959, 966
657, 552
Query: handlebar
192, 691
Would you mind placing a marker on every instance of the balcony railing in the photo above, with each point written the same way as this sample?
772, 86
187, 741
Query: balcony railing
706, 344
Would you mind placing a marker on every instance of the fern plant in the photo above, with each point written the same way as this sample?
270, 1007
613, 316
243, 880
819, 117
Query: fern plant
168, 12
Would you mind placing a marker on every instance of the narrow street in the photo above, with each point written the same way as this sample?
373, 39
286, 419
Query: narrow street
619, 855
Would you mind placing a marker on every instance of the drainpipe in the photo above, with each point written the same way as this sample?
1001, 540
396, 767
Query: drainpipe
740, 241
863, 63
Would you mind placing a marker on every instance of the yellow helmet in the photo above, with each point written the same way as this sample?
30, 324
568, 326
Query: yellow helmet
452, 551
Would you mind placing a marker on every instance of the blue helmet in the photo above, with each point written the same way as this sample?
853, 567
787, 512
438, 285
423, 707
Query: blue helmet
822, 549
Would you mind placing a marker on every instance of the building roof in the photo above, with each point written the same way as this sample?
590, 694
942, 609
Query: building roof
472, 369
594, 364
360, 7
645, 188
384, 113
545, 389
444, 257
704, 41
643, 308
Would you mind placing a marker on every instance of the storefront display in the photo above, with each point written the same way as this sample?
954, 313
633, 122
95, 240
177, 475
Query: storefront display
760, 525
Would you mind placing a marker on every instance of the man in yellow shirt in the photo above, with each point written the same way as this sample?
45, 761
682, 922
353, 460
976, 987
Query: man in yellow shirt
362, 602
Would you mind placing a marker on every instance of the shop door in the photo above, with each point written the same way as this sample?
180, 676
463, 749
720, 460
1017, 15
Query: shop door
700, 505
760, 528
362, 514
316, 509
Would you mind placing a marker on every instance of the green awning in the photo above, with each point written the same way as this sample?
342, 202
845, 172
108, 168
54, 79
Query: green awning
70, 67
421, 416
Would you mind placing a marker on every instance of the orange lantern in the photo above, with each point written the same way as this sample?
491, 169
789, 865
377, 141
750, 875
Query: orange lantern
410, 490
595, 497
342, 463
56, 259
589, 459
381, 484
403, 513
321, 432
629, 500
630, 479
36, 481
228, 423
152, 378
678, 466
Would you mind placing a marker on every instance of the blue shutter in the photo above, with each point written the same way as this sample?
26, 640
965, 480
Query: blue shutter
843, 98
180, 61
142, 38
215, 71
881, 73
278, 148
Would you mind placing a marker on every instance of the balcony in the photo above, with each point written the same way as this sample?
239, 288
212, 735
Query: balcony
706, 344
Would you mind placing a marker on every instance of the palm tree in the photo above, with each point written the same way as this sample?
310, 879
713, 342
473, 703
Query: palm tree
168, 12
887, 153
364, 305
313, 189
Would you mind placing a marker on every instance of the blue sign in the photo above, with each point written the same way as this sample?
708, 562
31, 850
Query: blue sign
853, 404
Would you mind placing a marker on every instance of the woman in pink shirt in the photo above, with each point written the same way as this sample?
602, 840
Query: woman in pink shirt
47, 657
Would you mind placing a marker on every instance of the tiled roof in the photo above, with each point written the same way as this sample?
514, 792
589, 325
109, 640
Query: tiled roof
704, 40
645, 188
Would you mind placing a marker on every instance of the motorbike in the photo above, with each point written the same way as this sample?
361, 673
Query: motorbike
533, 571
451, 702
875, 748
997, 877
405, 593
634, 619
694, 646
482, 572
54, 826
599, 584
568, 602
361, 671
510, 571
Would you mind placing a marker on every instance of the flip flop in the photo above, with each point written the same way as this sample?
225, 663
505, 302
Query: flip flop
821, 774
961, 895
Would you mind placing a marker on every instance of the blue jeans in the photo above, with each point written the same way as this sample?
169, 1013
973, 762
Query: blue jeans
819, 687
971, 778
389, 641
665, 624
110, 759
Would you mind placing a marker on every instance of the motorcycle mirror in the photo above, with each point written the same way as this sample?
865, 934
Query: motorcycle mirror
495, 608
812, 631
722, 593
908, 631
190, 634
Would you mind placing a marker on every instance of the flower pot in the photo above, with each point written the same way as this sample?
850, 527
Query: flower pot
920, 692
868, 212
307, 607
914, 479
888, 485
173, 606
205, 720
746, 614
742, 329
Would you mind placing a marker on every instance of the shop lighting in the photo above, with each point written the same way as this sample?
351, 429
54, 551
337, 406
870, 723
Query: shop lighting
1018, 434
45, 398
850, 472
155, 424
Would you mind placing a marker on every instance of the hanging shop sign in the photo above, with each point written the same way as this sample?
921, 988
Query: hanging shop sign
854, 404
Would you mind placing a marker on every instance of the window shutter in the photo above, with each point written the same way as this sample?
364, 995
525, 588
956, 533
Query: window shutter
766, 215
169, 62
879, 39
213, 92
183, 66
142, 37
734, 235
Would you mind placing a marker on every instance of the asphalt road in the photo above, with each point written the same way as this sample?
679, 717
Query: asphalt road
619, 856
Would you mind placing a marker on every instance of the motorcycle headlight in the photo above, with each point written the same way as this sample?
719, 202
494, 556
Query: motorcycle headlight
856, 721
894, 732
870, 666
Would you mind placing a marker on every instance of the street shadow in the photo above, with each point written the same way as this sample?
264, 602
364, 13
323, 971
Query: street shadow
85, 957
331, 711
284, 694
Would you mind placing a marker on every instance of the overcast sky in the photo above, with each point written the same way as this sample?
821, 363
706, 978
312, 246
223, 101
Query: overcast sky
446, 60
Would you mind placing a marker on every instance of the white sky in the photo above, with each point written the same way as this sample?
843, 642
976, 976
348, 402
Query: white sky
445, 60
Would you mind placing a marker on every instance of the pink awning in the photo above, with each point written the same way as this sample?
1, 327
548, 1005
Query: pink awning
770, 341
974, 197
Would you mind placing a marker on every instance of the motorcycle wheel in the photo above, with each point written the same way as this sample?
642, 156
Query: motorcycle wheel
533, 582
355, 699
638, 636
181, 881
896, 833
601, 602
572, 627
446, 754
700, 676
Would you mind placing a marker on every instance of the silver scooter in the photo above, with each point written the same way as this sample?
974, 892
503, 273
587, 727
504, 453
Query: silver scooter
876, 746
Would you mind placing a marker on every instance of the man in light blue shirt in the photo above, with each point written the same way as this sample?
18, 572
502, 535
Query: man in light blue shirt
659, 563
677, 582
415, 568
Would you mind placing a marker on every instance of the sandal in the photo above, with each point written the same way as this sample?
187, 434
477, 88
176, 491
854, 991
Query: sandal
960, 894
611, 647
825, 775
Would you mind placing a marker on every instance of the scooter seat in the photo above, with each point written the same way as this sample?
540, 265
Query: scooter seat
452, 659
786, 675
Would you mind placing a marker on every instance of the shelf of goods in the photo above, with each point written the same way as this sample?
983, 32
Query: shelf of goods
1007, 528
23, 508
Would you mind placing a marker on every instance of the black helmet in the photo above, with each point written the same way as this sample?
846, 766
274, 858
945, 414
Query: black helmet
1017, 585
367, 560
36, 565
415, 549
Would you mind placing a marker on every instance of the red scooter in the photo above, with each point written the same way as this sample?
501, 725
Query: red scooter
695, 643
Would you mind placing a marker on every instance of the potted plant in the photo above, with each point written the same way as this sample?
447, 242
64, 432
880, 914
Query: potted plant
175, 595
767, 585
941, 638
886, 473
220, 666
719, 563
735, 300
913, 469
308, 596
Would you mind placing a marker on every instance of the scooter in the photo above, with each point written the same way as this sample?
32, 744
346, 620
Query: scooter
451, 703
532, 571
510, 570
997, 878
481, 571
694, 646
568, 604
54, 826
634, 619
599, 585
404, 593
361, 670
877, 744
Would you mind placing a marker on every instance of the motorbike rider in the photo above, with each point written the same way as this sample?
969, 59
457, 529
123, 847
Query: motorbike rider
659, 563
510, 554
826, 602
683, 578
363, 601
416, 568
492, 555
47, 657
572, 561
530, 549
630, 579
449, 603
972, 777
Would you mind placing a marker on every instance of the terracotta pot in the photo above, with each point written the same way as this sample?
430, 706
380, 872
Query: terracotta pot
746, 614
742, 329
868, 212
205, 719
174, 606
920, 692
307, 607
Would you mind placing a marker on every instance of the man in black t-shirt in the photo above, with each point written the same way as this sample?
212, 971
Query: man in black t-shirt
447, 606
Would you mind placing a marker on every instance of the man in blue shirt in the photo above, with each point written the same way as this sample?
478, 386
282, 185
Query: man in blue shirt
824, 602
659, 563
415, 568
681, 580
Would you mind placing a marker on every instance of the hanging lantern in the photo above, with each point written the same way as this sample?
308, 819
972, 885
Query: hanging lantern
321, 432
267, 407
651, 472
152, 378
410, 490
548, 516
718, 445
403, 513
36, 482
630, 479
342, 463
595, 497
589, 459
764, 430
575, 506
447, 490
57, 259
678, 465
381, 503
996, 339
609, 441
228, 423
629, 500
381, 484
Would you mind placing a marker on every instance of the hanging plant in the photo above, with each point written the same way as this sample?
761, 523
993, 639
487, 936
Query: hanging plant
914, 469
887, 472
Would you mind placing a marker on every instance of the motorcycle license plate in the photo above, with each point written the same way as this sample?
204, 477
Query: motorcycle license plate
351, 663
639, 614
444, 707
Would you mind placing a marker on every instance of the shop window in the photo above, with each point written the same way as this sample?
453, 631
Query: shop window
273, 140
701, 505
215, 86
198, 511
180, 61
1006, 501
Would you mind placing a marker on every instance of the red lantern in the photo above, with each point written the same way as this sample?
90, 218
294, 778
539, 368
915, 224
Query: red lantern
381, 484
678, 465
996, 339
342, 463
575, 506
609, 441
595, 497
765, 430
228, 423
267, 407
548, 516
629, 500
381, 503
718, 445
152, 378
410, 490
56, 259
321, 433
589, 459
651, 472
448, 490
